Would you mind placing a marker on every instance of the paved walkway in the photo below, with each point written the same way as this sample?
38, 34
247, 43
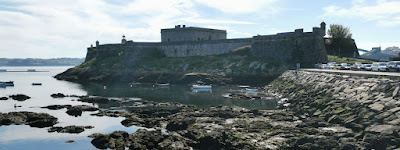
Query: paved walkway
393, 74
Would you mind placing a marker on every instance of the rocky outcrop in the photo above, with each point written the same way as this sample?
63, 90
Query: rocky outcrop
57, 107
70, 129
32, 119
223, 128
20, 97
366, 106
72, 110
78, 109
58, 95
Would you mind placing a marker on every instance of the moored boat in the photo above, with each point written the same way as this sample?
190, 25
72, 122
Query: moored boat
251, 90
9, 83
201, 86
162, 84
36, 83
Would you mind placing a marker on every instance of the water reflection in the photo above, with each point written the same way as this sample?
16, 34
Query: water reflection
23, 137
177, 93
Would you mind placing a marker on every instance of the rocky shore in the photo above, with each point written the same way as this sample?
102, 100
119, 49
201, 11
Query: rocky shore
32, 119
319, 111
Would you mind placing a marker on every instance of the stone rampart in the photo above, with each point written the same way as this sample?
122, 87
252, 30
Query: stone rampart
203, 48
308, 47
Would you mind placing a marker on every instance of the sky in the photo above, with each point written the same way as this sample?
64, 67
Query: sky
65, 28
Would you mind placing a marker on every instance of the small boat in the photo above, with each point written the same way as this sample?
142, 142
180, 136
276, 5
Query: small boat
162, 84
201, 86
243, 86
9, 83
36, 83
251, 90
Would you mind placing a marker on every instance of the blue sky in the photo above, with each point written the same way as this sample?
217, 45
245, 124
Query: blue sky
65, 28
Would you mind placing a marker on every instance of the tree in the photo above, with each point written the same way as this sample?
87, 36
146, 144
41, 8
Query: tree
339, 36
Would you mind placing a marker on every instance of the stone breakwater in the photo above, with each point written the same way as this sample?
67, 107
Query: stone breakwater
368, 108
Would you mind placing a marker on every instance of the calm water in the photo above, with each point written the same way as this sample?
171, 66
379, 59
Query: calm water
25, 137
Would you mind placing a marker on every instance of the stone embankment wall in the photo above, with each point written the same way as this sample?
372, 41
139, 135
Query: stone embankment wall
367, 108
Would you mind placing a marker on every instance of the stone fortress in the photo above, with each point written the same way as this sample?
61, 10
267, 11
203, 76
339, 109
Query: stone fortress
182, 41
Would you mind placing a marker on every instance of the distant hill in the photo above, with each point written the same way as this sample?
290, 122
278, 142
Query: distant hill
41, 62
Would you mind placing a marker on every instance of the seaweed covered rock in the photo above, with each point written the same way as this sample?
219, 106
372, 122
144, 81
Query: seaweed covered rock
32, 119
78, 109
70, 129
19, 97
115, 140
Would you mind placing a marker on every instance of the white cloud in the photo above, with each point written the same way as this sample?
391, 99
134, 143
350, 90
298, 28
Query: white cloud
384, 12
238, 6
64, 28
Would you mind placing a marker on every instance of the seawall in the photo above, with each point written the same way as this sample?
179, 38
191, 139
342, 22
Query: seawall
367, 109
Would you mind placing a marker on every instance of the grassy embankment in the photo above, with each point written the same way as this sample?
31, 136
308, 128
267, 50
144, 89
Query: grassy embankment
347, 60
237, 63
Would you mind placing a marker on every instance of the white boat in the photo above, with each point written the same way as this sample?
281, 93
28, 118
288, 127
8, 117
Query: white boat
244, 86
201, 86
251, 90
162, 84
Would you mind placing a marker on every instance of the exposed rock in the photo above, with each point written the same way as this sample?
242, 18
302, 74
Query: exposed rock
70, 129
377, 106
384, 129
20, 97
180, 124
70, 141
3, 98
57, 107
78, 109
58, 95
115, 140
94, 99
32, 119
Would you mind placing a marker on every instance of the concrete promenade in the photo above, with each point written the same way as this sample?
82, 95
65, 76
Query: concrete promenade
393, 75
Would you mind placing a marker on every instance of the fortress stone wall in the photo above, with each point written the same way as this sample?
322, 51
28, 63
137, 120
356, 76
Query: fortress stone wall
184, 33
298, 46
203, 48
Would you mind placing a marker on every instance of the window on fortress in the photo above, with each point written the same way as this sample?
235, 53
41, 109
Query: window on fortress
168, 40
198, 39
209, 37
176, 51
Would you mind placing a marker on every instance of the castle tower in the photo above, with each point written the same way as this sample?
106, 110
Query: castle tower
123, 41
323, 28
97, 44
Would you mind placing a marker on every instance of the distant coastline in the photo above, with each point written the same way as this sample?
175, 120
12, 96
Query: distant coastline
41, 62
